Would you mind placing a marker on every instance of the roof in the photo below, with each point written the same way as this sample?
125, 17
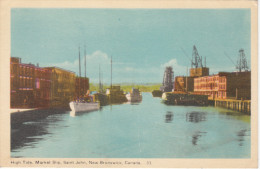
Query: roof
55, 67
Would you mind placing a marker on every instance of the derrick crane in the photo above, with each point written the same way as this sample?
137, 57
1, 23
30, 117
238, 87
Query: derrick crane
242, 62
196, 58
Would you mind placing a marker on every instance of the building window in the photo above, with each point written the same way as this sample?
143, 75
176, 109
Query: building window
37, 84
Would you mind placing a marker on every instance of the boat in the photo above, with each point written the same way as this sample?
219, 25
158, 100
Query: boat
83, 106
101, 94
102, 98
157, 93
186, 99
134, 95
115, 95
86, 102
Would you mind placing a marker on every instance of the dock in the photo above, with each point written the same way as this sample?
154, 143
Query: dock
243, 106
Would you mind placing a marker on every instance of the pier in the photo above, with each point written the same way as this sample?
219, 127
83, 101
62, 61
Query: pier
237, 105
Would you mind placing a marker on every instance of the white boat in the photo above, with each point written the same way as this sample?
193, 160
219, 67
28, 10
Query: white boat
134, 96
81, 107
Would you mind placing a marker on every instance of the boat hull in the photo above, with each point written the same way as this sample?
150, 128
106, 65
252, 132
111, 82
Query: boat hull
157, 93
80, 107
184, 99
133, 98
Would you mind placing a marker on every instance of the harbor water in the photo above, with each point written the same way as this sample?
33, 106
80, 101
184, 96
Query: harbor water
149, 129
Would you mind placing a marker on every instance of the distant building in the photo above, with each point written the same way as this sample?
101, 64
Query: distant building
62, 87
225, 85
30, 85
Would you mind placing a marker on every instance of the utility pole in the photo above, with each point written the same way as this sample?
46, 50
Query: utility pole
111, 74
79, 71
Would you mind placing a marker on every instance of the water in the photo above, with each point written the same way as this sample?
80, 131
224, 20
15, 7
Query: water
149, 129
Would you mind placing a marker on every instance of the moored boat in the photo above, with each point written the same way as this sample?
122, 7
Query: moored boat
76, 106
115, 95
157, 93
83, 102
134, 95
184, 99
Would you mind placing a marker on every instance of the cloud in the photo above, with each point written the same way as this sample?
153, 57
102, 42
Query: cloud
122, 71
98, 55
178, 70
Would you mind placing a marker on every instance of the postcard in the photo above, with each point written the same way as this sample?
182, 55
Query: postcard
129, 84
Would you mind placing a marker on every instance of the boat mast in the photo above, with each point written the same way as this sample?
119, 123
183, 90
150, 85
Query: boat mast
111, 74
99, 80
79, 71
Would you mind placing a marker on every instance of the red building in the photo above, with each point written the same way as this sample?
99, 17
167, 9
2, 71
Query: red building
234, 85
81, 86
184, 84
30, 85
42, 87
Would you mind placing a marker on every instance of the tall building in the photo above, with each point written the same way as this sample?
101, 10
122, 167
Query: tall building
42, 89
225, 85
30, 85
62, 87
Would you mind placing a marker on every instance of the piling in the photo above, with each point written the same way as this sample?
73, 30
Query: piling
243, 106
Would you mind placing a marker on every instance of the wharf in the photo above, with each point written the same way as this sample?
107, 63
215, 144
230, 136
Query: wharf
19, 116
20, 110
237, 105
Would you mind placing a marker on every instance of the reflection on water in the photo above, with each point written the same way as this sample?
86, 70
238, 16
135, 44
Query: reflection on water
28, 133
241, 136
196, 117
135, 131
169, 117
196, 136
133, 102
72, 113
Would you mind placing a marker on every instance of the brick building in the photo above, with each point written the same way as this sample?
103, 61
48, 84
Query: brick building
200, 71
186, 83
30, 85
224, 85
62, 86
42, 87
81, 86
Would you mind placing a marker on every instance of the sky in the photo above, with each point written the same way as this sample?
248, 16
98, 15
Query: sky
142, 42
